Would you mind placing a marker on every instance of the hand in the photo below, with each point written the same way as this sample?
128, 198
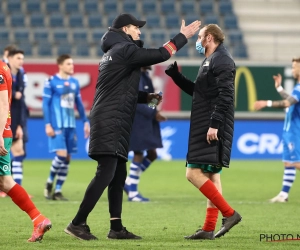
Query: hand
260, 104
212, 135
191, 29
49, 130
159, 117
154, 95
18, 95
86, 130
172, 69
19, 132
3, 151
278, 80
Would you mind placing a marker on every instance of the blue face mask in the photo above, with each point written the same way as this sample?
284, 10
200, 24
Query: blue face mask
200, 48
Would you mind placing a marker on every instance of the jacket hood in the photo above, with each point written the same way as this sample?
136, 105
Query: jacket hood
111, 37
114, 36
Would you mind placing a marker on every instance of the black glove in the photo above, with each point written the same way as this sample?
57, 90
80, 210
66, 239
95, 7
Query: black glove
172, 69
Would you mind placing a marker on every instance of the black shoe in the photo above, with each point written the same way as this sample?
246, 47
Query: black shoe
48, 190
201, 235
122, 235
81, 232
228, 223
58, 197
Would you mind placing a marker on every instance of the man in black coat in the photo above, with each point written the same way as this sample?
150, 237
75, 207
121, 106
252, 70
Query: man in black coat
112, 113
145, 136
211, 129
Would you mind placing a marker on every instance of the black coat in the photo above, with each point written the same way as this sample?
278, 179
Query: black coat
117, 91
212, 106
145, 128
18, 109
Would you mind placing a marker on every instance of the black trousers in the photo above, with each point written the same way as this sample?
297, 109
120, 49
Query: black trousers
111, 172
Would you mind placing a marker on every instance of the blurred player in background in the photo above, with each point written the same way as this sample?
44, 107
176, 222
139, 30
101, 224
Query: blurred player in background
145, 136
17, 193
291, 129
61, 93
211, 129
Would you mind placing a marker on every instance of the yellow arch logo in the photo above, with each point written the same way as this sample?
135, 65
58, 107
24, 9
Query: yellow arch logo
250, 85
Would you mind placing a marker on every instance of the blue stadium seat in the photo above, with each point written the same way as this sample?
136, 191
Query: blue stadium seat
110, 6
21, 35
79, 35
183, 52
206, 6
167, 6
187, 6
91, 6
158, 37
53, 6
240, 51
153, 20
44, 49
56, 20
2, 20
94, 20
110, 19
71, 6
4, 36
230, 22
26, 47
97, 35
33, 6
129, 6
189, 18
64, 48
211, 19
225, 7
235, 36
149, 6
75, 20
82, 49
41, 35
14, 6
60, 35
37, 20
17, 19
172, 21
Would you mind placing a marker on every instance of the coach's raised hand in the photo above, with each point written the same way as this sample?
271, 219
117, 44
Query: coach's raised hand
191, 29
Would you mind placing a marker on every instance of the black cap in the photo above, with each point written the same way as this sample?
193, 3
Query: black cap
126, 19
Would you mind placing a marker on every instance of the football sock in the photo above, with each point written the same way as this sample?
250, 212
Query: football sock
17, 168
211, 219
61, 176
56, 162
134, 178
116, 225
20, 197
289, 177
212, 193
145, 164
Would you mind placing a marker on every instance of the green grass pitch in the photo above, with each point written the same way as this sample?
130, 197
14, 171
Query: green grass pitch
176, 209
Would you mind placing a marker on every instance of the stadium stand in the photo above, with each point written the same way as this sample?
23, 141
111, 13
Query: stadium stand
81, 23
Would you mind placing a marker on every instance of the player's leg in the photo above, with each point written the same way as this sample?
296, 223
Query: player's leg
291, 160
20, 197
201, 181
17, 150
57, 144
106, 168
136, 168
115, 198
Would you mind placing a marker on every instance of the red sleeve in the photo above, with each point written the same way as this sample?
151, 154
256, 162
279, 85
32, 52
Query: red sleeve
3, 81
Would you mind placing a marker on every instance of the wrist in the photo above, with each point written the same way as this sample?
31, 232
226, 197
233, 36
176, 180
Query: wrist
269, 103
48, 125
279, 89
